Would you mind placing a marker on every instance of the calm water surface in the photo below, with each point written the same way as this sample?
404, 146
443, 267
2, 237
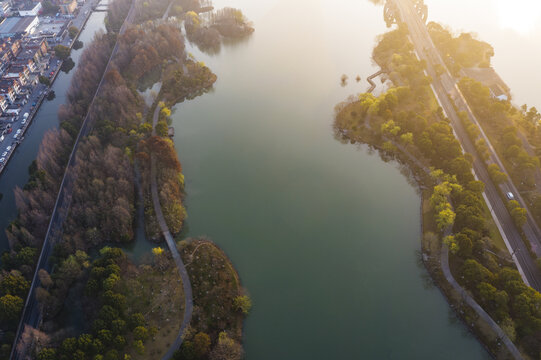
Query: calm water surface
324, 235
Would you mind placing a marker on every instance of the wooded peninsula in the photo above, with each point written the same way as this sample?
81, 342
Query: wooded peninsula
405, 122
98, 302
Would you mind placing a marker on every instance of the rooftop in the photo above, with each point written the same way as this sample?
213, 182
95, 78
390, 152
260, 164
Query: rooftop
16, 24
489, 78
28, 6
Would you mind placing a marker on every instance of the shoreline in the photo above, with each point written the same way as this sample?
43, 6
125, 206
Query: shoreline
461, 309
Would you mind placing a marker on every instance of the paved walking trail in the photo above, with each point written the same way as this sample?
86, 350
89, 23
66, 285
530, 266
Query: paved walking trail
188, 297
475, 306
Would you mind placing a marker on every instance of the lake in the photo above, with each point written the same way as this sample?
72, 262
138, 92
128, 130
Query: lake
325, 236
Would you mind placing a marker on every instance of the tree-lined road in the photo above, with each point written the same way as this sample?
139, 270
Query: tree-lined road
31, 315
445, 87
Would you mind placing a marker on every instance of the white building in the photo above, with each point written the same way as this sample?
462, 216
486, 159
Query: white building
30, 9
17, 25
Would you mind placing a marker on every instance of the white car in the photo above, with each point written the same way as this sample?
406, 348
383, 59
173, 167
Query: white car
8, 148
2, 160
510, 196
4, 153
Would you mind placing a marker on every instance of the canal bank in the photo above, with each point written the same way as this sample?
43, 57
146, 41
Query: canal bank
304, 218
16, 172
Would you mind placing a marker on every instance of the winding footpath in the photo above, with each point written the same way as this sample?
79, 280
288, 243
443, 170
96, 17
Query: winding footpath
475, 306
188, 297
444, 261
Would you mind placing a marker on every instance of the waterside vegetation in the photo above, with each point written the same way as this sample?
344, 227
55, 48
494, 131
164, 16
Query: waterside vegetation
406, 123
120, 324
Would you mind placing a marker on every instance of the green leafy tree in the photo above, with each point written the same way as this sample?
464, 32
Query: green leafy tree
14, 284
140, 333
452, 243
445, 218
145, 128
73, 31
162, 129
139, 347
119, 342
475, 273
44, 80
201, 344
118, 326
136, 319
10, 308
47, 354
496, 174
242, 304
518, 213
62, 52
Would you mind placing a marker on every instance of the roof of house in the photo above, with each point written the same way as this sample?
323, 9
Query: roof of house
29, 6
16, 68
489, 78
7, 82
16, 24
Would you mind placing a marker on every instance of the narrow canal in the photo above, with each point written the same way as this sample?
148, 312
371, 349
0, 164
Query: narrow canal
16, 172
325, 236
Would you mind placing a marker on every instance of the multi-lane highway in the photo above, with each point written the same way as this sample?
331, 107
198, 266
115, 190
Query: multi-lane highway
445, 89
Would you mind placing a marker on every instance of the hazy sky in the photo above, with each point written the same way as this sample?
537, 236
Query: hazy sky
514, 30
513, 27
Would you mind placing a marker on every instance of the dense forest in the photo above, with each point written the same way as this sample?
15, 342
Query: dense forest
219, 304
119, 325
102, 206
36, 200
406, 122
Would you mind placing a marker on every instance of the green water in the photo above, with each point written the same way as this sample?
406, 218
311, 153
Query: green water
325, 236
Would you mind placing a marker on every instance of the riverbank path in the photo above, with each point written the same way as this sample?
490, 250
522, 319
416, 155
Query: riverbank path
475, 306
188, 297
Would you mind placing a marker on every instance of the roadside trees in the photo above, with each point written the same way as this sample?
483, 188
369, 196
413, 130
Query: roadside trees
62, 52
73, 31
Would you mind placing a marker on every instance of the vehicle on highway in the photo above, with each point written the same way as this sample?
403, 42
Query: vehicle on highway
510, 196
23, 122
